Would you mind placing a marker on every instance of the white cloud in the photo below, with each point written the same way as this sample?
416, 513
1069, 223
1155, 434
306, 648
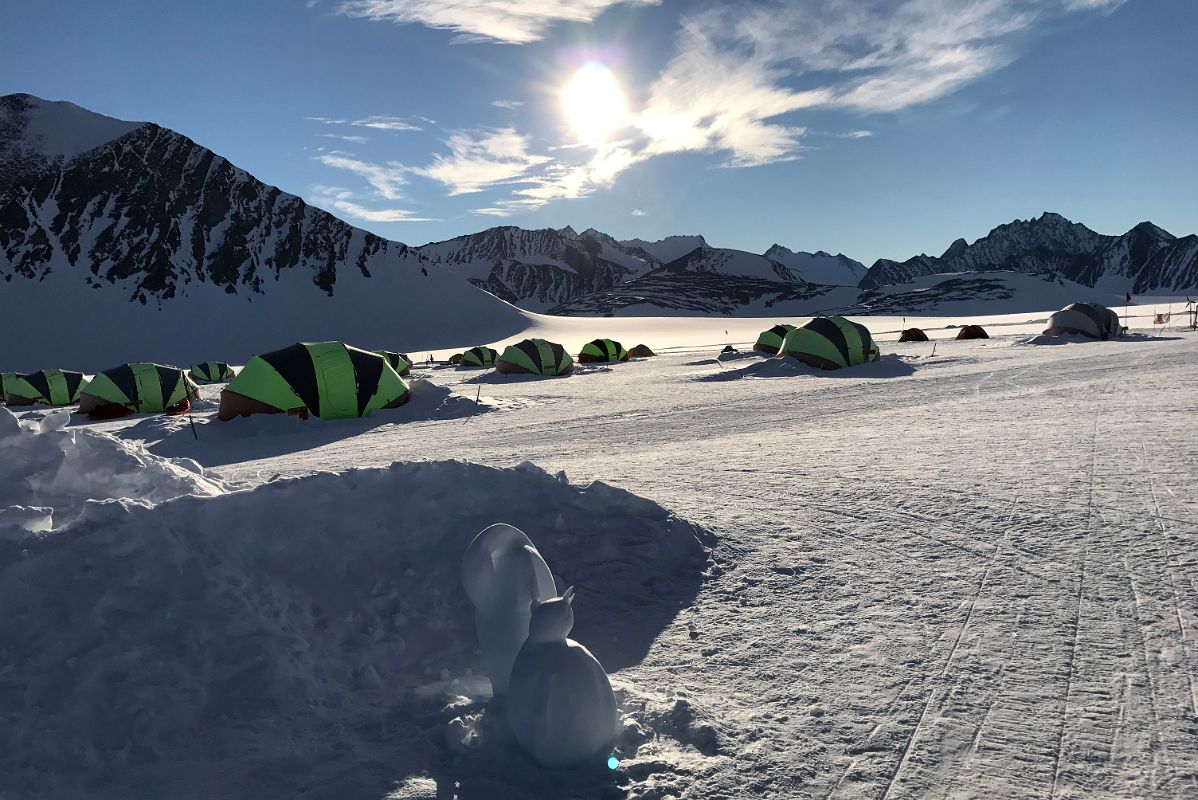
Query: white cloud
482, 158
382, 123
510, 105
385, 178
342, 201
1093, 5
511, 21
636, 212
344, 138
385, 124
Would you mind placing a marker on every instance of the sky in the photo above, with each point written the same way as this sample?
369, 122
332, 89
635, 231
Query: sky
876, 128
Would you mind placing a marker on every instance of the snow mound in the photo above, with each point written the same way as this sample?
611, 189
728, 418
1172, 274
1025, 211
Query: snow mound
58, 470
215, 443
304, 634
890, 366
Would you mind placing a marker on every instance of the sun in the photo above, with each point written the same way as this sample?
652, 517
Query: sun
594, 103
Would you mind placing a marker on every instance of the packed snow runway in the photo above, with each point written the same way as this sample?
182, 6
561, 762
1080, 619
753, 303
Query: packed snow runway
961, 574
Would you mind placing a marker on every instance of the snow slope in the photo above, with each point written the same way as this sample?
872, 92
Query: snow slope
964, 571
36, 133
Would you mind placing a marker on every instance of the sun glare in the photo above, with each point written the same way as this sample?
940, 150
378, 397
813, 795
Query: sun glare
594, 103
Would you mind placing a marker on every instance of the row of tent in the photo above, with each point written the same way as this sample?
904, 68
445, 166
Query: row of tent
542, 357
967, 332
333, 380
134, 386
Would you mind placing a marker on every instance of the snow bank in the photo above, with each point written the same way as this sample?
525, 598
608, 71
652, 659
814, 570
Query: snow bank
304, 634
58, 470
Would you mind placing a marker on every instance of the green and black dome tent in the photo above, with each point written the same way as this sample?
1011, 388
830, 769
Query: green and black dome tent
830, 343
54, 387
6, 378
212, 372
641, 351
137, 387
330, 380
771, 341
478, 357
913, 335
398, 361
602, 351
535, 357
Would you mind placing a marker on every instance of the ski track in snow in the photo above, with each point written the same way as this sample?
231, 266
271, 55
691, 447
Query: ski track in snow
973, 580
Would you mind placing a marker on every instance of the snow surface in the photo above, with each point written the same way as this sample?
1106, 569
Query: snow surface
967, 570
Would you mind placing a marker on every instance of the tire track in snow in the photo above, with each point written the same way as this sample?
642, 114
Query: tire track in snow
1181, 628
1077, 617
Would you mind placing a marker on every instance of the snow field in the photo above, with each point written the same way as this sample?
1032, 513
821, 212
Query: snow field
967, 574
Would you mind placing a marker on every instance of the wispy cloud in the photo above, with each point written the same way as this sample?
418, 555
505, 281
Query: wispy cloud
386, 124
385, 178
344, 138
1093, 5
344, 202
510, 105
511, 21
382, 123
482, 158
738, 72
636, 212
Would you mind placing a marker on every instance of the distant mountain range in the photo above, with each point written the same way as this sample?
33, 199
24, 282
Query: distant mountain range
564, 272
1145, 260
128, 232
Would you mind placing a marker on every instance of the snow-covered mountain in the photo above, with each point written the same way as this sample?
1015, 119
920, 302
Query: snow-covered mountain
820, 267
667, 249
129, 238
539, 269
1146, 259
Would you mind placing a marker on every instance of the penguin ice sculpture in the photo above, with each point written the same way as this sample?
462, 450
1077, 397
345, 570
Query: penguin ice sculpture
560, 703
505, 577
